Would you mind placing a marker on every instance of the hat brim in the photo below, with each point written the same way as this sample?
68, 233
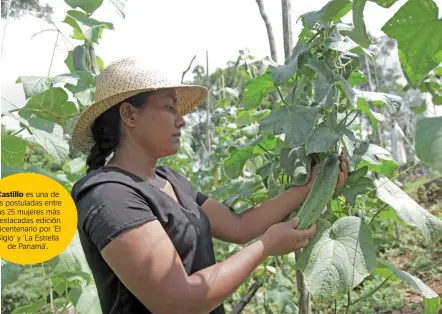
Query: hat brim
188, 98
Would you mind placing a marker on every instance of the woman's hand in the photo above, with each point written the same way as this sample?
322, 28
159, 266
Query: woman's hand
283, 238
343, 175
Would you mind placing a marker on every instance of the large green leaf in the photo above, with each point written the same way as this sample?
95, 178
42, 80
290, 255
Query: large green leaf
282, 73
338, 258
86, 27
34, 85
13, 150
408, 210
10, 273
50, 136
281, 292
35, 307
357, 78
257, 88
248, 117
360, 31
392, 102
326, 81
376, 158
88, 6
71, 260
431, 299
84, 89
332, 11
296, 163
296, 121
239, 155
416, 27
356, 184
384, 3
428, 138
323, 138
85, 299
52, 105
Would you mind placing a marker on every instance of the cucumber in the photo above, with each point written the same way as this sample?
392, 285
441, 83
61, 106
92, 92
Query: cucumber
321, 192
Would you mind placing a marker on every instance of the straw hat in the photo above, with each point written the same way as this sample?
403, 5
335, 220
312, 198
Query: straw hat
122, 79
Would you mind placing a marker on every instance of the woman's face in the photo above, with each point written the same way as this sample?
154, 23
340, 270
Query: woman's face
156, 126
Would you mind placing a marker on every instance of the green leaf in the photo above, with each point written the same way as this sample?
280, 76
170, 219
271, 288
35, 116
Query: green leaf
257, 88
356, 184
13, 150
327, 78
338, 258
428, 141
100, 63
248, 117
69, 61
357, 78
408, 210
51, 105
384, 3
415, 27
35, 307
50, 136
86, 5
296, 163
85, 299
392, 102
296, 121
282, 73
84, 89
431, 299
10, 272
323, 138
376, 158
71, 260
239, 155
88, 27
332, 11
360, 30
283, 299
34, 85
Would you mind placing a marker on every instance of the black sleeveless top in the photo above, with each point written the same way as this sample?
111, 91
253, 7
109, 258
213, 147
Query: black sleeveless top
111, 201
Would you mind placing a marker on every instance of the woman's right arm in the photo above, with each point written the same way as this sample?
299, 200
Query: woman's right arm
147, 263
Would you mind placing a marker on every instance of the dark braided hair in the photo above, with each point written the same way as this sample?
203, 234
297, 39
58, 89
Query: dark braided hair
106, 131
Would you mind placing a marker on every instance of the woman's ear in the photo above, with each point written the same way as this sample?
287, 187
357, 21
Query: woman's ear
128, 114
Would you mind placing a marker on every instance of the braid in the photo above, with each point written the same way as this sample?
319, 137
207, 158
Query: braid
106, 132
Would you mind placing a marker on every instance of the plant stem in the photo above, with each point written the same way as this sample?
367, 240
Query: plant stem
51, 296
374, 290
377, 213
280, 95
19, 131
53, 53
349, 302
304, 297
352, 120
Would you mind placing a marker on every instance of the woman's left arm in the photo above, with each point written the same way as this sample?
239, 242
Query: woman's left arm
242, 228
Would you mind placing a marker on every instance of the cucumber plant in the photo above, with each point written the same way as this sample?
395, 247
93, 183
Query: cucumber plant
321, 96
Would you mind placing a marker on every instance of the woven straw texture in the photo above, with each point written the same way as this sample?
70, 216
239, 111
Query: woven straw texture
122, 79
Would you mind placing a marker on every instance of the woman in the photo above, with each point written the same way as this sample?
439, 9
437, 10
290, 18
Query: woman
145, 230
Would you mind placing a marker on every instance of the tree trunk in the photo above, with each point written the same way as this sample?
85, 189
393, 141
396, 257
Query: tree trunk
286, 8
269, 30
